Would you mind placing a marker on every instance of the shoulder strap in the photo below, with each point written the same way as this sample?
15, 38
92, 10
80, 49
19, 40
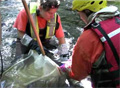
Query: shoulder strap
98, 26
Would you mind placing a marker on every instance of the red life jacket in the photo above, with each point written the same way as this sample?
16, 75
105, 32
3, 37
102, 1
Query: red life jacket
107, 73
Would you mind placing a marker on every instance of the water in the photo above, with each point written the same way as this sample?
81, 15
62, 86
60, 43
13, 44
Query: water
9, 10
70, 20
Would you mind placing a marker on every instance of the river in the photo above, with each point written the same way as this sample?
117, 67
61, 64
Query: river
10, 8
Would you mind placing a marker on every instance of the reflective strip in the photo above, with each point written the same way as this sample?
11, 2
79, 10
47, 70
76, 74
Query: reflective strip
51, 27
33, 7
115, 32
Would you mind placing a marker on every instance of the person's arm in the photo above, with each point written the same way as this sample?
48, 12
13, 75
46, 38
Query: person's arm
62, 48
86, 51
21, 21
26, 40
59, 32
61, 40
20, 34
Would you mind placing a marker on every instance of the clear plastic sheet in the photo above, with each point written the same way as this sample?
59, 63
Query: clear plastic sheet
31, 71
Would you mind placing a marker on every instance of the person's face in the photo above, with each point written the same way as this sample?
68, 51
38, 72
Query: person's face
83, 17
47, 15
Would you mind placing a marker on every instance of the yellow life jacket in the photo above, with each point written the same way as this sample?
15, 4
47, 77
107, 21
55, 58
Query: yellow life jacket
51, 24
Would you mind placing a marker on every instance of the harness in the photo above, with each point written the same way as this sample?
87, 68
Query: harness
50, 28
106, 70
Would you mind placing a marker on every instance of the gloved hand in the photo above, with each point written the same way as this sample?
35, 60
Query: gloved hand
64, 57
66, 67
63, 68
34, 46
62, 49
31, 43
63, 52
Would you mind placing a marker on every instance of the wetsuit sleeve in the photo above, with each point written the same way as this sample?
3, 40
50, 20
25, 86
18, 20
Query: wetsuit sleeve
59, 32
86, 51
21, 21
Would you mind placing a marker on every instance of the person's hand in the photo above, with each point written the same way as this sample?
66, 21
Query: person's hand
63, 52
64, 57
66, 67
34, 46
26, 40
62, 49
63, 68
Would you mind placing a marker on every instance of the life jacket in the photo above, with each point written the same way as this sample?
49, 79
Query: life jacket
50, 28
106, 70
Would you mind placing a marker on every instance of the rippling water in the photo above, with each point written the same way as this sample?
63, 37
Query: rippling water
9, 10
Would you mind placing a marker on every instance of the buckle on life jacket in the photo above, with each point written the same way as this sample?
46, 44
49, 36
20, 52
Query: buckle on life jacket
117, 20
95, 25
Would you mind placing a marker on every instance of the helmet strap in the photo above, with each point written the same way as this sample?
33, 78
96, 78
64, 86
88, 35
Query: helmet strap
88, 12
83, 16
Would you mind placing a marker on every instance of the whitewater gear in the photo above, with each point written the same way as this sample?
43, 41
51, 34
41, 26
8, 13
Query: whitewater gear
108, 35
103, 14
102, 58
92, 5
